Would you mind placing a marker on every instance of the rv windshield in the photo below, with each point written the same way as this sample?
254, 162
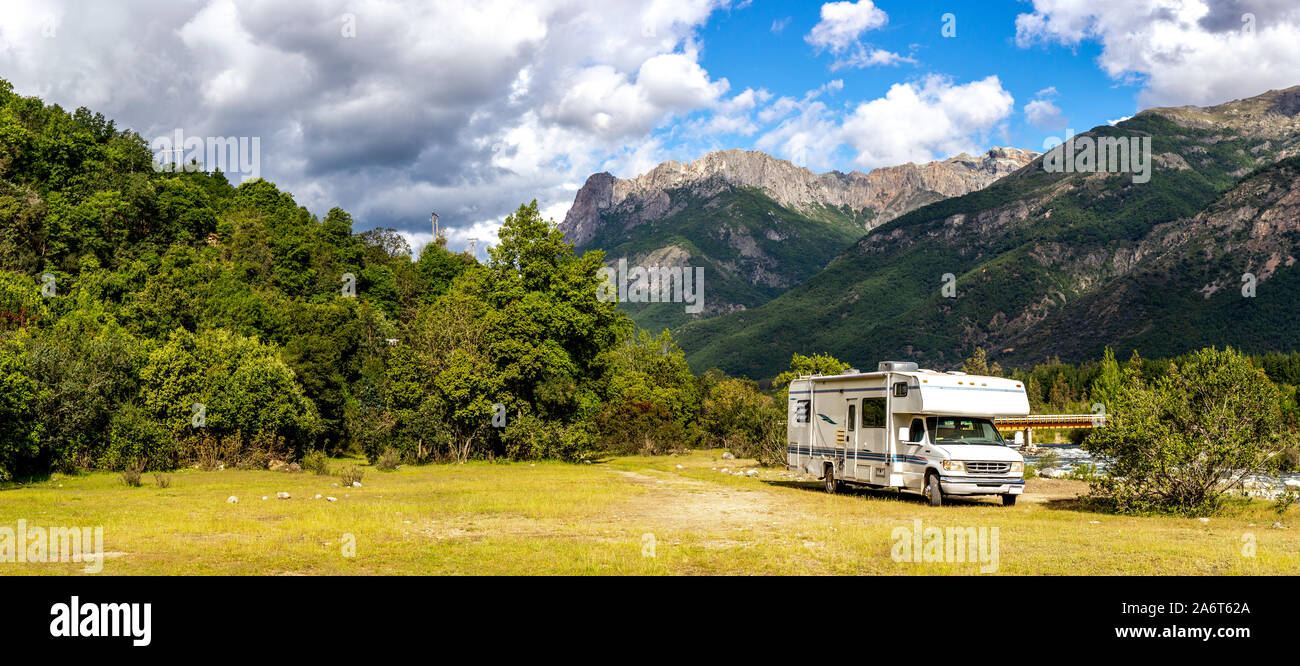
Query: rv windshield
963, 430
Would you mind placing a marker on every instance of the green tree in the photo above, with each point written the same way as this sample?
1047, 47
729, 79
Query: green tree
1107, 383
817, 364
978, 364
1177, 443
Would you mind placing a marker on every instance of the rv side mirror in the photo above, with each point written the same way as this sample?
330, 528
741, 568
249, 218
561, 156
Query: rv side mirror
904, 434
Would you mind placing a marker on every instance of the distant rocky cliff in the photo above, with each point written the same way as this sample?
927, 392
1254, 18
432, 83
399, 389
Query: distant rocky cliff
884, 193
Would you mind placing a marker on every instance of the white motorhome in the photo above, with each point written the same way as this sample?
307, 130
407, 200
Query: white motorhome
903, 427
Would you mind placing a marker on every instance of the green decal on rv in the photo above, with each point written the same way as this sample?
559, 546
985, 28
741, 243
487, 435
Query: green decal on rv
825, 418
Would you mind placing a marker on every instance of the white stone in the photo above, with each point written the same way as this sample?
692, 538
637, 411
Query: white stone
282, 495
356, 484
332, 499
232, 500
726, 455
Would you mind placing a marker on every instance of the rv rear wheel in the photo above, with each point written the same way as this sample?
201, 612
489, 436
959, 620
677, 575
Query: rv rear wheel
831, 483
1009, 500
933, 491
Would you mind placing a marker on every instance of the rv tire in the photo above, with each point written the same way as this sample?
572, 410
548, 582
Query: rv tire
831, 483
933, 491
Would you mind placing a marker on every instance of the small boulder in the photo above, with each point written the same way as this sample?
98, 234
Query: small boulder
232, 500
294, 467
277, 465
356, 484
331, 499
727, 455
282, 495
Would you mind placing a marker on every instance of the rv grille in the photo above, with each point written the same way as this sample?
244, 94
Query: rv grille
987, 467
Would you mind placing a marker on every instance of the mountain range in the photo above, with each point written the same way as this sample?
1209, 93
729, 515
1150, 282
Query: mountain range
1044, 264
759, 225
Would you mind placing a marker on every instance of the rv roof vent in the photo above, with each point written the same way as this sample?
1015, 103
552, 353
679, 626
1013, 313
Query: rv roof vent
956, 372
897, 366
849, 371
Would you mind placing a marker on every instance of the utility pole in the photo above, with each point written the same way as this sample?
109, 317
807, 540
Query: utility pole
473, 243
434, 216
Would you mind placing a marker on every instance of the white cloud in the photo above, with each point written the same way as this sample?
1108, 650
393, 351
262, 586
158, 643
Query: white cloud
469, 108
808, 139
842, 23
1179, 51
1044, 115
778, 26
840, 30
932, 120
913, 122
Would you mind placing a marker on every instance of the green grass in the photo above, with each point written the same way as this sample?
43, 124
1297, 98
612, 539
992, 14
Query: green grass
556, 518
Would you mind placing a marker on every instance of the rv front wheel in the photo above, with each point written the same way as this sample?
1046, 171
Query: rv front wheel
933, 491
831, 483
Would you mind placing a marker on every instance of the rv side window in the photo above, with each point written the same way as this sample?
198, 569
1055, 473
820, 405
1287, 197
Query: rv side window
900, 389
853, 417
873, 412
917, 433
801, 411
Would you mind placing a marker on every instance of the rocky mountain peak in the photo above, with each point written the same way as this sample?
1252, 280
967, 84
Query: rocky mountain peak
887, 192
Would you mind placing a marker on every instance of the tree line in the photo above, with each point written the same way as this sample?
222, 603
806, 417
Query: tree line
157, 318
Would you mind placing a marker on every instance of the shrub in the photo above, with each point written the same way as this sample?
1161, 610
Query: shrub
388, 461
1284, 501
1177, 444
350, 475
131, 475
317, 462
737, 416
162, 480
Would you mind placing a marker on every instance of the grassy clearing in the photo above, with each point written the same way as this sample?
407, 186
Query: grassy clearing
554, 518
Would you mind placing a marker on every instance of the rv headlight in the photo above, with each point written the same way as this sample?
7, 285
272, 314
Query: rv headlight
1017, 468
954, 465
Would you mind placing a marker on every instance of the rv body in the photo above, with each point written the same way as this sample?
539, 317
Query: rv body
902, 427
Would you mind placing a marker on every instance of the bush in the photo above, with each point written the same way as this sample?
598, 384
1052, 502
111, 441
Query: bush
736, 416
131, 475
1177, 444
350, 475
162, 480
388, 461
317, 462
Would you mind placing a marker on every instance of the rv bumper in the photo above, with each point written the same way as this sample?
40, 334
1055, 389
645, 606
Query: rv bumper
962, 485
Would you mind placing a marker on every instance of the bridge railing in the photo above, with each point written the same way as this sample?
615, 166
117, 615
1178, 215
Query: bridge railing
1052, 421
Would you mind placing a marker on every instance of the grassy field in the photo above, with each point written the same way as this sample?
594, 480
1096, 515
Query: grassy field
616, 516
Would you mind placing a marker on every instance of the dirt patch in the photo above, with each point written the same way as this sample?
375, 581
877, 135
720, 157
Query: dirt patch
1046, 490
677, 502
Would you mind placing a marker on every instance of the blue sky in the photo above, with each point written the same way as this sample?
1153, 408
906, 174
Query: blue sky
765, 46
742, 46
395, 108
